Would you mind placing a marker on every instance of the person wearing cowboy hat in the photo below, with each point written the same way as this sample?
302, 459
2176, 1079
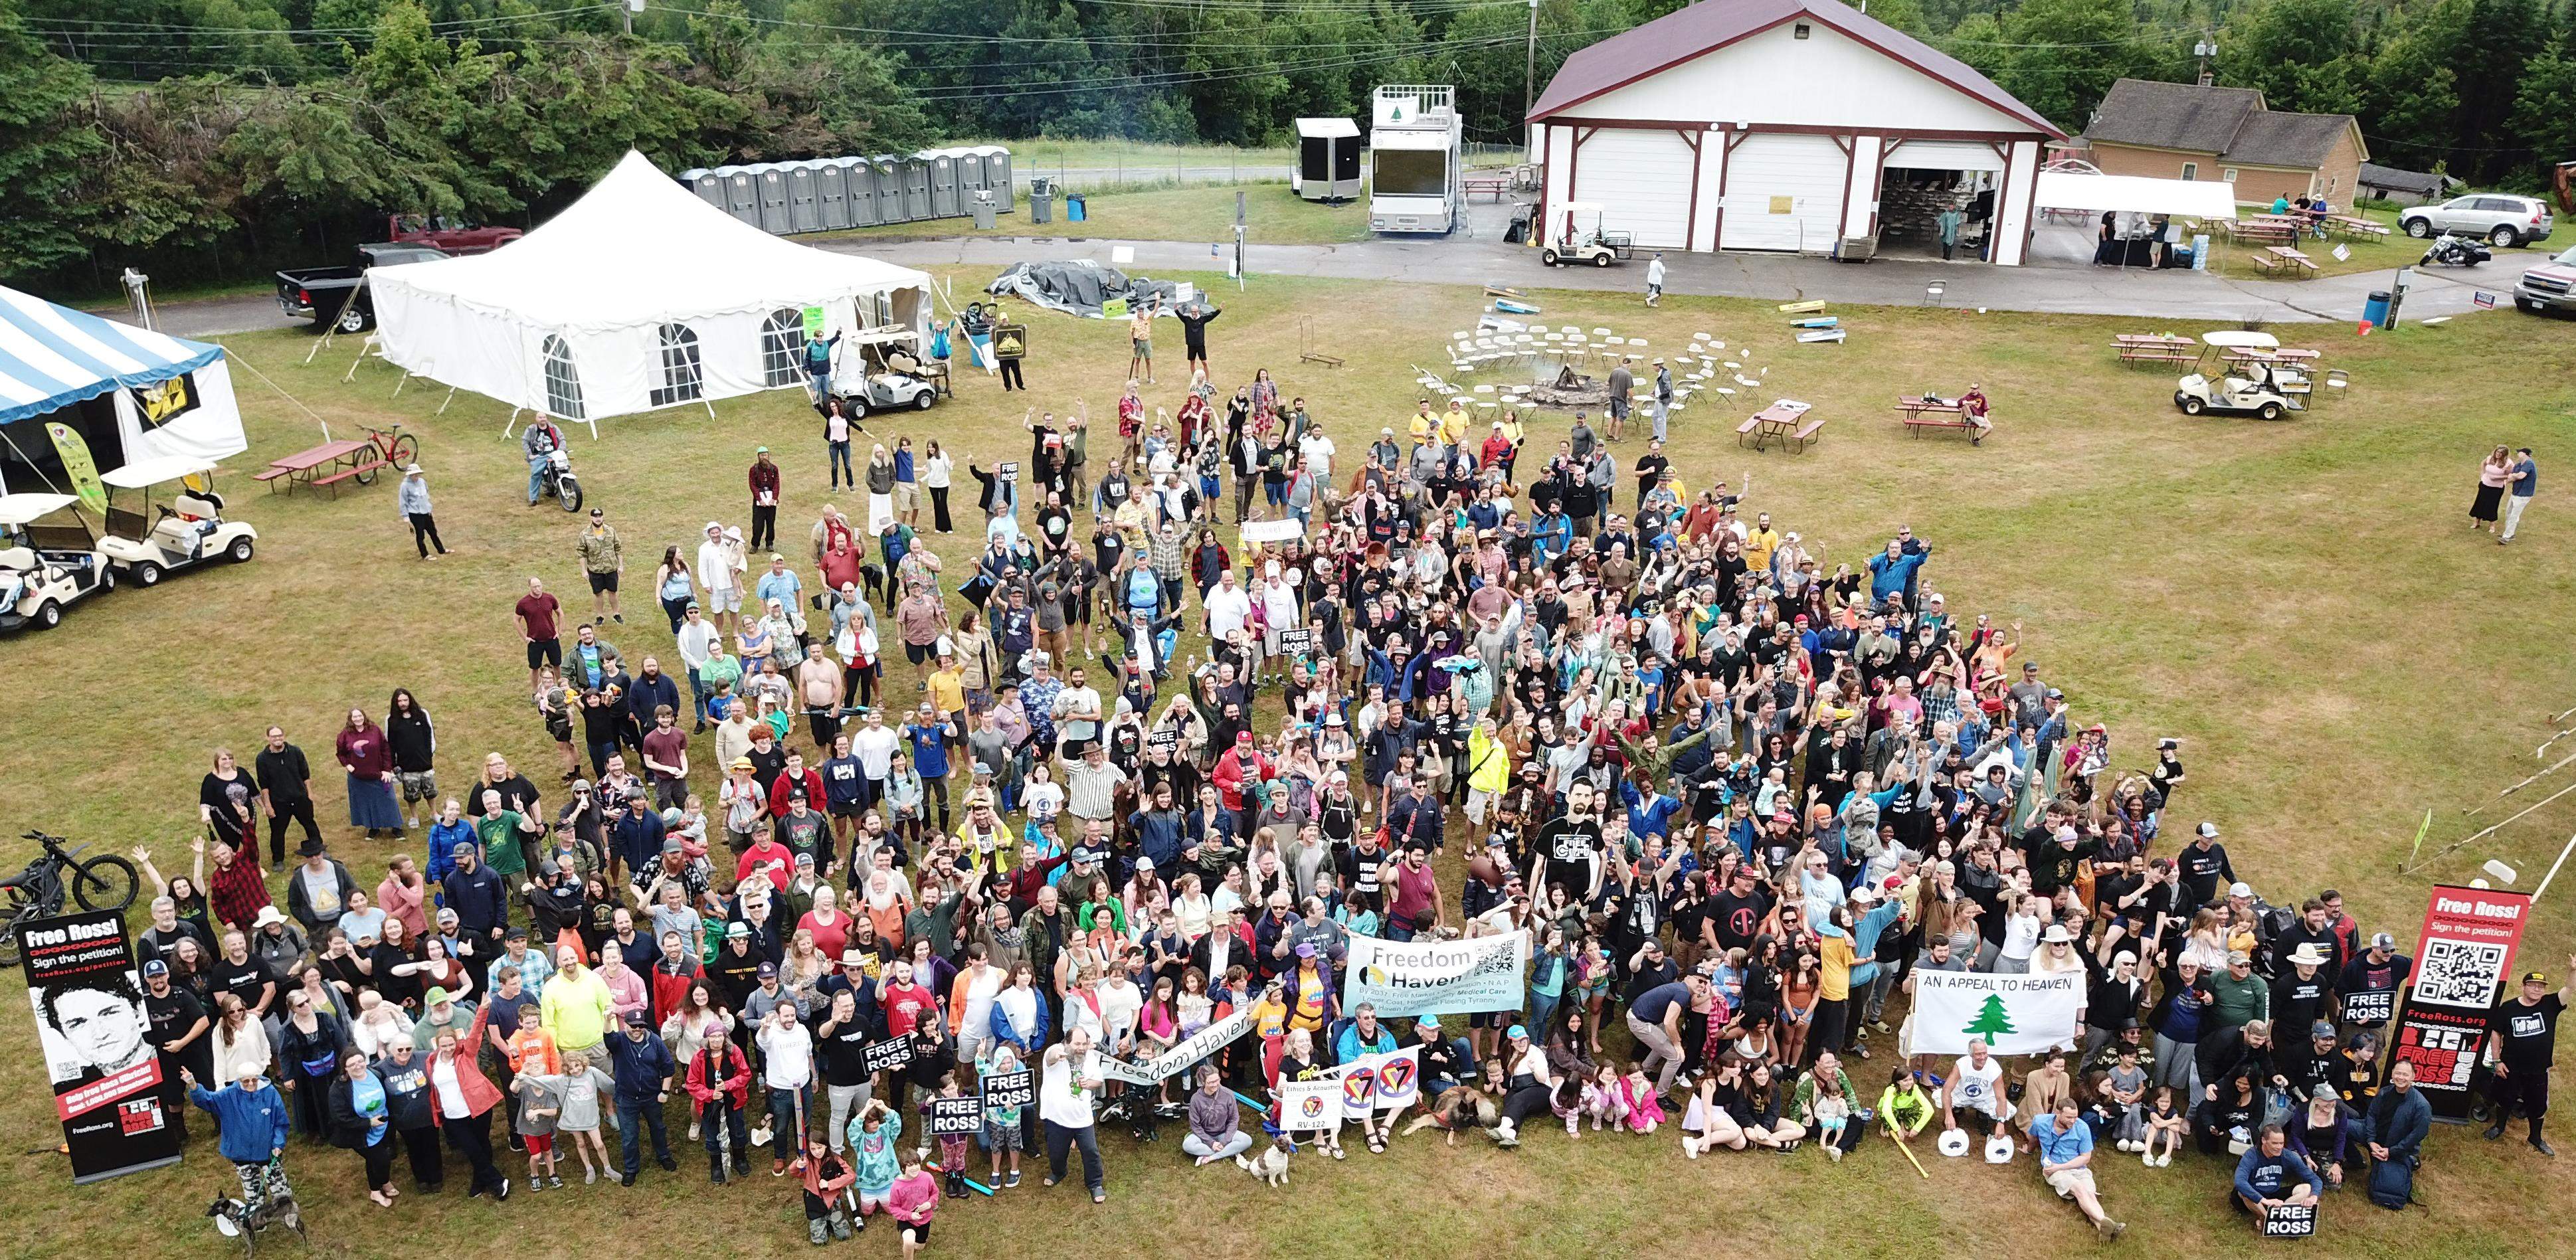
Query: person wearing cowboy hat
317, 891
411, 499
2303, 993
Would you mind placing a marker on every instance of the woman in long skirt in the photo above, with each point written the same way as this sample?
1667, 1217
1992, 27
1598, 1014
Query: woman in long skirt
2493, 476
363, 753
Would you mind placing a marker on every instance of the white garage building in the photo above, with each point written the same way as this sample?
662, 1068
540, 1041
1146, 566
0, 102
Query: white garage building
1800, 126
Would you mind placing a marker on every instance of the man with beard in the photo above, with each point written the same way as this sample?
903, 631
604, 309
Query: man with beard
1569, 848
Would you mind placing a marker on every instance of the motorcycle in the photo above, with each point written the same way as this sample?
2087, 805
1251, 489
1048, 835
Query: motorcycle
2455, 251
105, 882
558, 480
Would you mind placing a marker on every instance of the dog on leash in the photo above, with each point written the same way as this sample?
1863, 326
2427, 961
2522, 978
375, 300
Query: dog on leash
1271, 1168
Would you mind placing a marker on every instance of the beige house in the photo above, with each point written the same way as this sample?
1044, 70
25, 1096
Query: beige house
2187, 131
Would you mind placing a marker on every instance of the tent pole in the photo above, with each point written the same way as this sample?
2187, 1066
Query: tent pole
509, 421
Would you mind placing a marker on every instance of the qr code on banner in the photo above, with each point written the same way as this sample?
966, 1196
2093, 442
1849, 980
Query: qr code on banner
2459, 973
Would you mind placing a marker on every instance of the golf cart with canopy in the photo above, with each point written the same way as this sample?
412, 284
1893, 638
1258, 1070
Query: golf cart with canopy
889, 376
1574, 235
2250, 386
149, 538
45, 568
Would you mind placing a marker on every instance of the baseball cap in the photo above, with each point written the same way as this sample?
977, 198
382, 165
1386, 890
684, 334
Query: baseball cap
2235, 956
2209, 829
2322, 1029
635, 1019
1306, 949
2534, 977
1516, 1032
2382, 940
436, 995
769, 971
155, 967
515, 933
461, 848
1084, 855
2240, 889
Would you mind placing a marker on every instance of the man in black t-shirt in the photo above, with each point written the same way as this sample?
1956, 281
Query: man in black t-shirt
1736, 911
240, 972
2526, 1036
179, 1027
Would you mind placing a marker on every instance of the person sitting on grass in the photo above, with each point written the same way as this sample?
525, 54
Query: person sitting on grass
2066, 1164
2270, 1175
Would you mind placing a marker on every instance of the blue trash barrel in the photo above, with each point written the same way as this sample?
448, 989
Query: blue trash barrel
1073, 209
2375, 311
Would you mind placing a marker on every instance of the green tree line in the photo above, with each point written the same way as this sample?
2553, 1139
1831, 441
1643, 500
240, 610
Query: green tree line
216, 138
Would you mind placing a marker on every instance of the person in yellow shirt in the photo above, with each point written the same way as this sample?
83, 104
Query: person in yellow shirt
1424, 424
1311, 996
576, 1005
1760, 543
1489, 769
1453, 423
948, 688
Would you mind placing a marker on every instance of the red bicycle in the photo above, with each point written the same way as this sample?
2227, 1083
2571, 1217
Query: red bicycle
393, 446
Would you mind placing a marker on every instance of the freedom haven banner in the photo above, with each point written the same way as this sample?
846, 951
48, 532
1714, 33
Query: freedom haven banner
1404, 978
2461, 962
2022, 1014
1186, 1051
88, 1002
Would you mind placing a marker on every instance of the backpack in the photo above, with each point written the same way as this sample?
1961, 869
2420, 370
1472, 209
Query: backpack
2392, 1183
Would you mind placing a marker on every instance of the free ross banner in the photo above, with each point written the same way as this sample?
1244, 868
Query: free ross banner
88, 1002
2015, 1014
2462, 958
952, 1116
1421, 977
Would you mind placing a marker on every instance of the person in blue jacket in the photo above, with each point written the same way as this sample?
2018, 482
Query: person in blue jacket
1892, 573
2271, 1174
253, 1117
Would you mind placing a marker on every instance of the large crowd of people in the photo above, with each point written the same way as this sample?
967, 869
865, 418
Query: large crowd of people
1129, 773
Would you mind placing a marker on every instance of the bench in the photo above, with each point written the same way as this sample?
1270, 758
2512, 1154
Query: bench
1913, 407
2158, 354
1915, 425
1807, 433
354, 470
272, 474
2264, 263
1746, 429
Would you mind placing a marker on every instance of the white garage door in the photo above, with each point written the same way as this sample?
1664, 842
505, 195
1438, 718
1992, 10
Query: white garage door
1642, 179
1784, 192
1944, 155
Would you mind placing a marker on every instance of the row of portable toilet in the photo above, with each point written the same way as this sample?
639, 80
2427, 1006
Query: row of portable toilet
827, 194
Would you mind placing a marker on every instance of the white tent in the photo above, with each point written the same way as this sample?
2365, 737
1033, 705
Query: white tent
2136, 194
639, 296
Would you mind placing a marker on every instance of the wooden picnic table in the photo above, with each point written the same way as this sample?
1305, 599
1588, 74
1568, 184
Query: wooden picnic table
1780, 420
1493, 185
1937, 414
2275, 257
326, 465
2155, 348
2355, 225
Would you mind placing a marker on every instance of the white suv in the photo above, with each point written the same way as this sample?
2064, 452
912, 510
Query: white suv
2503, 219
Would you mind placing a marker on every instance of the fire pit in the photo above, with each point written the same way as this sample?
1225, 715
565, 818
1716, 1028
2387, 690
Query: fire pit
1569, 390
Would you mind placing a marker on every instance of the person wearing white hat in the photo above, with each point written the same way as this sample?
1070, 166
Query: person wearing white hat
719, 572
412, 500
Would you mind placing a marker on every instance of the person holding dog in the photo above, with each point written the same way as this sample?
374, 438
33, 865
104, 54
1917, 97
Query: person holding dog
252, 1115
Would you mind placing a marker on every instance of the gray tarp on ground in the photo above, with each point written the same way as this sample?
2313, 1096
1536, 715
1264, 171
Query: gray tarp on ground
1078, 287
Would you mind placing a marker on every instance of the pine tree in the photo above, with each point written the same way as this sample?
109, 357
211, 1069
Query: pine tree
47, 144
1991, 1020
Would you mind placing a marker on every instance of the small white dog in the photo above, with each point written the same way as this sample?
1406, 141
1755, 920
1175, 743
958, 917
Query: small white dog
1271, 1167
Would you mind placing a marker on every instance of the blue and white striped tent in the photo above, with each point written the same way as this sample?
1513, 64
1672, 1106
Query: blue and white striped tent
173, 397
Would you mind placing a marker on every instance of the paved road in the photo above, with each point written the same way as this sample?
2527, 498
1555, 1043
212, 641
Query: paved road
1477, 256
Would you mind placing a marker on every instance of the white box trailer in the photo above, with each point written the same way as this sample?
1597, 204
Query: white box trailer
1328, 159
1416, 155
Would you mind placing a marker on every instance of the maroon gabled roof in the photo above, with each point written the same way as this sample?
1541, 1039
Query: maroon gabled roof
1699, 29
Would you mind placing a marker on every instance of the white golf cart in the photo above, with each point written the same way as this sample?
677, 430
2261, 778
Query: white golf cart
46, 568
1574, 235
149, 539
890, 375
2244, 386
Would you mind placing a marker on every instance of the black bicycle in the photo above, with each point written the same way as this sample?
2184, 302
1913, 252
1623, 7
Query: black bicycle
104, 882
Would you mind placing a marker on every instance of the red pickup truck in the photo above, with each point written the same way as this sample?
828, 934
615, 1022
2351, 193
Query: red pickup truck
447, 235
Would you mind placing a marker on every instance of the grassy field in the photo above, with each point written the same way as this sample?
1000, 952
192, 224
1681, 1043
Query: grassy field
1045, 157
2299, 601
1272, 215
2369, 253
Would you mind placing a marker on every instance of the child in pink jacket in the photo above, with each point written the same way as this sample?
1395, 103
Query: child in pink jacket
912, 1202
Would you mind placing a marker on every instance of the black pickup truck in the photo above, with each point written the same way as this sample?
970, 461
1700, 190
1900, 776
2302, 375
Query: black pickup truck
321, 294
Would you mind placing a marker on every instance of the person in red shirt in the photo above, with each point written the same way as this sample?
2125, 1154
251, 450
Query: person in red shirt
766, 858
796, 778
903, 999
538, 615
1416, 905
1241, 764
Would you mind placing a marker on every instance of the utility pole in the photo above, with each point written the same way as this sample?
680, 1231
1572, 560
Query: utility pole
626, 15
2205, 49
1529, 66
